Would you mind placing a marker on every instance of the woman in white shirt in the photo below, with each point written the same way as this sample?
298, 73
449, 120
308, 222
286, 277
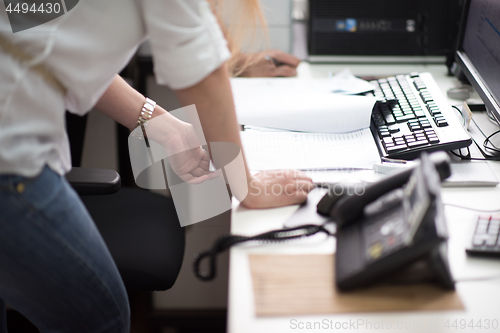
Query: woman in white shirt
54, 266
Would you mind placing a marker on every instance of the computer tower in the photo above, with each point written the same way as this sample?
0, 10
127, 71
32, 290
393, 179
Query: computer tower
382, 30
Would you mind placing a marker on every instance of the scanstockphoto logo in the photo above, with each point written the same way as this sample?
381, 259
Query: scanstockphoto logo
24, 15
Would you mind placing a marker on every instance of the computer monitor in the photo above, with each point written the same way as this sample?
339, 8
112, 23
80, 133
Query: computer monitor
478, 51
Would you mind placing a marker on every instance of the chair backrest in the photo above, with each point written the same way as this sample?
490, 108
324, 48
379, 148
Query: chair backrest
140, 228
75, 127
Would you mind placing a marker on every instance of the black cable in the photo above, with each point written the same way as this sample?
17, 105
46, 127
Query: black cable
461, 114
467, 158
225, 242
496, 149
485, 143
462, 156
487, 156
479, 128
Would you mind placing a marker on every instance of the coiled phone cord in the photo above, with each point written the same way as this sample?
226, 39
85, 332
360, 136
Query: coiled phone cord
225, 242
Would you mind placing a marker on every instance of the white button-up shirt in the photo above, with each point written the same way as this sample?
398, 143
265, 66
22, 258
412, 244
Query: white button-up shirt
84, 49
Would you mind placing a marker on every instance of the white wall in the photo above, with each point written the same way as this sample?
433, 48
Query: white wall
278, 17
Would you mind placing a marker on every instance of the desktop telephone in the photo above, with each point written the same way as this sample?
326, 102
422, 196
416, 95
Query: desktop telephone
395, 230
345, 209
396, 226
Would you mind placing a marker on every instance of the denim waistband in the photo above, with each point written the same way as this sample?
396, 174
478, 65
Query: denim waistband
10, 181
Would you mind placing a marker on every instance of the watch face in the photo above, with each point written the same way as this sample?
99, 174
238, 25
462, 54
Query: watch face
146, 112
149, 105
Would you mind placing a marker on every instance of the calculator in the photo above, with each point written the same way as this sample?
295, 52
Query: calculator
485, 240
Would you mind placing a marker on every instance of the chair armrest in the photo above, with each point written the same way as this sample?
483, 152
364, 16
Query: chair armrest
92, 181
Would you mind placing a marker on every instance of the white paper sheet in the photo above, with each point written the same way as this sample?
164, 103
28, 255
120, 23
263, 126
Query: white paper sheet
305, 105
309, 151
471, 174
344, 82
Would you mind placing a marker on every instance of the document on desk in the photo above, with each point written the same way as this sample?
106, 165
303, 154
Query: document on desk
306, 105
309, 151
471, 174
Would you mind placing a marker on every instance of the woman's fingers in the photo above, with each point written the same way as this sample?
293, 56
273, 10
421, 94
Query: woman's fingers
277, 188
285, 58
285, 71
198, 180
198, 172
302, 185
284, 174
298, 197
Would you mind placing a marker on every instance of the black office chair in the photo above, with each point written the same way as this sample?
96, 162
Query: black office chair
140, 228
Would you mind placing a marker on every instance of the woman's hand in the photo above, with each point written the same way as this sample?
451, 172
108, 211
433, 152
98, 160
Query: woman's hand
191, 163
277, 188
185, 154
264, 66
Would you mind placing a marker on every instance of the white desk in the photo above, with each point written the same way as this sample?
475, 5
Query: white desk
481, 298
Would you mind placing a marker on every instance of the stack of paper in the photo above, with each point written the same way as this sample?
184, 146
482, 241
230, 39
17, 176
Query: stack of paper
309, 151
471, 174
335, 124
307, 105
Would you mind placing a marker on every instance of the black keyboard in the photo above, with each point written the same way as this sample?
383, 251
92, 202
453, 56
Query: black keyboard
485, 239
412, 116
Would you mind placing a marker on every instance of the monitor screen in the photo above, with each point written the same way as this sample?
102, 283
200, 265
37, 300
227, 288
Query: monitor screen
479, 51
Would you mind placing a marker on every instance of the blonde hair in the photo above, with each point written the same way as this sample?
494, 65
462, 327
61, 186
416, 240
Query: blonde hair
245, 29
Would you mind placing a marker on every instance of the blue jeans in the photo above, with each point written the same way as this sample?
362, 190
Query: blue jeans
54, 266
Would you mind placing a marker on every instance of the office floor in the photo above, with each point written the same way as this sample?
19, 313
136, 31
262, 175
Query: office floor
16, 322
213, 321
145, 319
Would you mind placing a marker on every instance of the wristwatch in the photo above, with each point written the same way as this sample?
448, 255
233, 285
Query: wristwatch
146, 112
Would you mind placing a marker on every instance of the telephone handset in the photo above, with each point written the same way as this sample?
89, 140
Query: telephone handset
395, 230
345, 208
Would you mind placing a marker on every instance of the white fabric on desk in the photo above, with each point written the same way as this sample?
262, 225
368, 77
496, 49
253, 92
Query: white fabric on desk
84, 49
